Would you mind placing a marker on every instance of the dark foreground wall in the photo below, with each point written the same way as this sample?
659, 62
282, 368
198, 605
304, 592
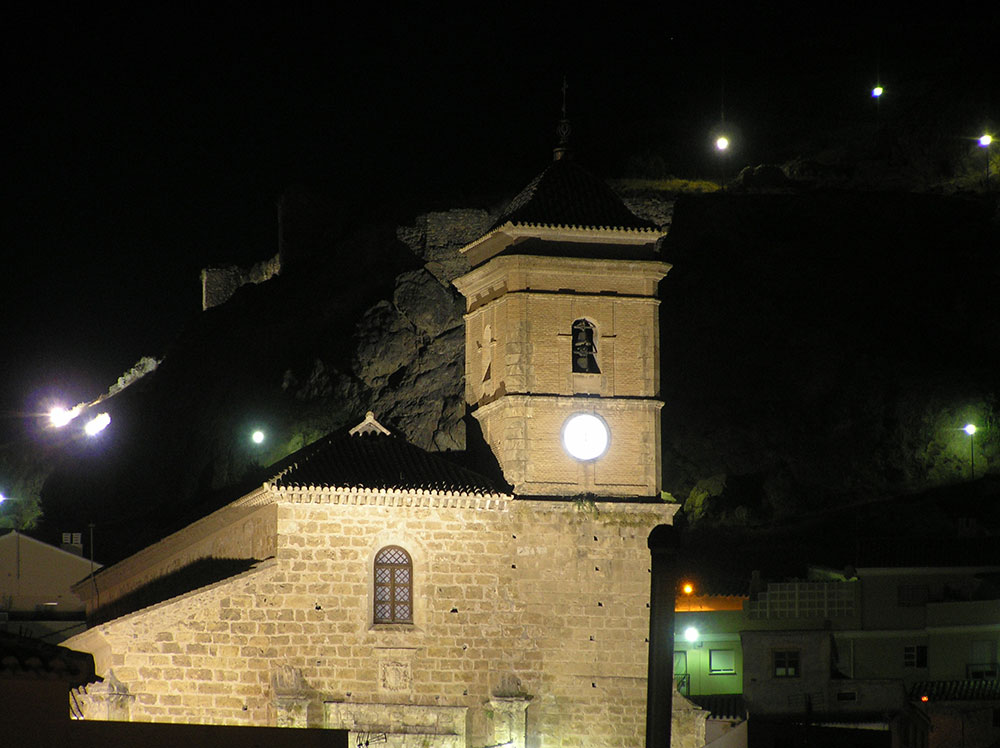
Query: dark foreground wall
35, 714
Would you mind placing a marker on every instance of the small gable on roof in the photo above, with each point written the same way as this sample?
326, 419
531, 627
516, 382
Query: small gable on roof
369, 456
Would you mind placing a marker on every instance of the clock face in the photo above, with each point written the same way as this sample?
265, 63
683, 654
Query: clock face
585, 436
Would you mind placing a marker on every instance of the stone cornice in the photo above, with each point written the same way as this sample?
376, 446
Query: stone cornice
506, 234
354, 496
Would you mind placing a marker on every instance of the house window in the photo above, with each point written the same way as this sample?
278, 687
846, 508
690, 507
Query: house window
786, 663
721, 662
393, 586
584, 348
915, 656
982, 671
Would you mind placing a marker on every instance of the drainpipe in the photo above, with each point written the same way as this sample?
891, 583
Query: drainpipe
662, 543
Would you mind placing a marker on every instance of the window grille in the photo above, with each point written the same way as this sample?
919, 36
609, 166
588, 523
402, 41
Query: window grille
804, 600
393, 586
786, 663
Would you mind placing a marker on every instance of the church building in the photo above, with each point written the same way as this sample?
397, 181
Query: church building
372, 586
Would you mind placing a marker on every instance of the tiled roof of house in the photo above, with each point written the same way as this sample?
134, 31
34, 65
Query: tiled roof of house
722, 705
956, 690
24, 658
374, 459
566, 194
195, 575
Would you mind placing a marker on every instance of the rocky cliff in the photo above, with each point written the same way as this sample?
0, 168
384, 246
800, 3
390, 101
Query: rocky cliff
818, 350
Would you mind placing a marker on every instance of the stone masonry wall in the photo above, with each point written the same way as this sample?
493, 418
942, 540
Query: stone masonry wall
537, 603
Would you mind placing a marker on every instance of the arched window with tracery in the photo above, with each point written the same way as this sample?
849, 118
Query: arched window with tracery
584, 348
393, 586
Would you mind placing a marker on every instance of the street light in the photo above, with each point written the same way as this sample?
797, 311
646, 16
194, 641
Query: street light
970, 429
59, 416
257, 437
722, 146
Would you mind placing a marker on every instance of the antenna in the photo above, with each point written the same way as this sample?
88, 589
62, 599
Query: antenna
562, 129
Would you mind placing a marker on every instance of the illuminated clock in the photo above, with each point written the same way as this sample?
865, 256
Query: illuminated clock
585, 436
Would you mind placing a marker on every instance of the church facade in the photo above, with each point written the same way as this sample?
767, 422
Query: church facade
371, 586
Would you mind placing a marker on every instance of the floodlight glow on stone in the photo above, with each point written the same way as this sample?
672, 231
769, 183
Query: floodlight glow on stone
59, 416
258, 437
691, 634
585, 436
722, 143
97, 424
969, 429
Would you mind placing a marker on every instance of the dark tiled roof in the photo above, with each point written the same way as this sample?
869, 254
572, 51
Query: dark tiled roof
722, 705
957, 690
566, 194
197, 574
377, 461
25, 658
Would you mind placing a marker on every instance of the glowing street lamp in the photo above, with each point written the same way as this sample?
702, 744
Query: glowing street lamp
97, 424
257, 437
970, 429
877, 92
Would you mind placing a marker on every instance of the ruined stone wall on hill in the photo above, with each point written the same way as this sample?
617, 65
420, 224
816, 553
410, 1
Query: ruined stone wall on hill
219, 284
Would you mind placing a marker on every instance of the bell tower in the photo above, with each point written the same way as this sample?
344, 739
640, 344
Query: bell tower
562, 340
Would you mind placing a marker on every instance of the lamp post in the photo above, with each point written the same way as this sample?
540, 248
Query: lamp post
970, 429
722, 146
984, 142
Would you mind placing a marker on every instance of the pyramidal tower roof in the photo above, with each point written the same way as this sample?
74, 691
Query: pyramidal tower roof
566, 194
568, 204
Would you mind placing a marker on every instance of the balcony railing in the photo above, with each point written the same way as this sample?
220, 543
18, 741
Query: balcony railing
683, 683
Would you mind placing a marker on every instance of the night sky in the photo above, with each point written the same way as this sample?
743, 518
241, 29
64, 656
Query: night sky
144, 143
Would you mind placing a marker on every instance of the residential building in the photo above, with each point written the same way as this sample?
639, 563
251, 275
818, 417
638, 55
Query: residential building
35, 581
894, 656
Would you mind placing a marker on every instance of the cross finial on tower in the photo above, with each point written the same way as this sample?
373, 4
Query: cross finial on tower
562, 129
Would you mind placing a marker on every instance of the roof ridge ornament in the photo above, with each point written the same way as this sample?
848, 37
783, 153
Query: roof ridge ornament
369, 426
563, 130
